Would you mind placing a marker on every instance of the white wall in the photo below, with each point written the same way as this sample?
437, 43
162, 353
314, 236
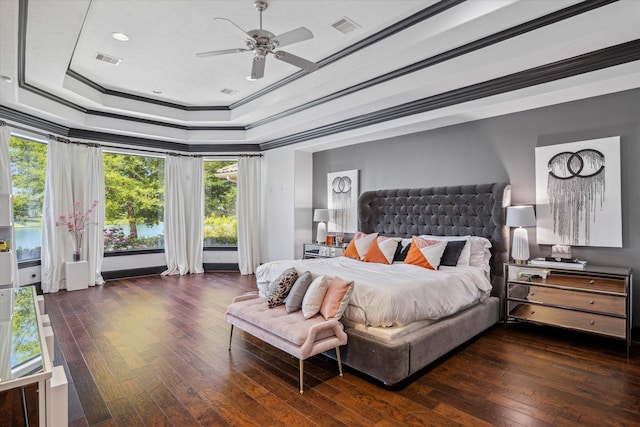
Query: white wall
287, 183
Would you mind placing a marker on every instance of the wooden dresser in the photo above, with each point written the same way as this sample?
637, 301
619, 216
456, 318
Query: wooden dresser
595, 300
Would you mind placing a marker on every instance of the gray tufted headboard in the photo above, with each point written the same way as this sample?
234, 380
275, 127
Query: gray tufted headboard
477, 210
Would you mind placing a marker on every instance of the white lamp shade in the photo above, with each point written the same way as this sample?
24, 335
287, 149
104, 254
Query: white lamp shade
321, 215
520, 216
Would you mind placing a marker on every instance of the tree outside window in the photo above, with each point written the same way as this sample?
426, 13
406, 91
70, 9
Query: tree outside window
220, 224
134, 202
28, 168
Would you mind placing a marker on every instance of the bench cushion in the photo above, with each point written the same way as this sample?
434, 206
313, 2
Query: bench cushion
292, 327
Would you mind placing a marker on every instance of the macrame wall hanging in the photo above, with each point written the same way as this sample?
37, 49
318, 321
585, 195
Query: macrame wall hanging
576, 191
341, 198
342, 201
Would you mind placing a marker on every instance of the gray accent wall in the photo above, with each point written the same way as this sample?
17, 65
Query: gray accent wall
502, 149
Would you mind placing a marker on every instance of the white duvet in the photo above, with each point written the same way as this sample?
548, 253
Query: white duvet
396, 294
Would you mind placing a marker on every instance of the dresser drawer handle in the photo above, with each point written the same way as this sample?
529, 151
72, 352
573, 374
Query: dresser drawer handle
532, 293
592, 302
592, 282
592, 322
532, 312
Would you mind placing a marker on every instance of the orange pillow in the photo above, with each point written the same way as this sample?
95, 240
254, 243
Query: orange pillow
336, 292
382, 250
359, 245
425, 253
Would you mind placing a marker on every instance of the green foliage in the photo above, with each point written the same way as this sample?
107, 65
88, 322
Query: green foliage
115, 240
26, 344
134, 189
220, 230
219, 194
28, 169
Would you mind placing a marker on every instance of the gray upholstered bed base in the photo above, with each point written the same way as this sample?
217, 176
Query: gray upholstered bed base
461, 210
391, 362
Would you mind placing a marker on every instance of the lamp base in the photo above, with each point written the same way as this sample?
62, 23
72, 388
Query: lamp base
520, 248
321, 234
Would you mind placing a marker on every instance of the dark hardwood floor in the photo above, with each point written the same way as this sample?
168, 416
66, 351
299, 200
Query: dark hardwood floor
153, 351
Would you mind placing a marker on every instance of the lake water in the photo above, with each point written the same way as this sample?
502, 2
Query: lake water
31, 237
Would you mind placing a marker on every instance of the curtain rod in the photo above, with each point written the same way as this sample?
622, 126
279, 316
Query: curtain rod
142, 150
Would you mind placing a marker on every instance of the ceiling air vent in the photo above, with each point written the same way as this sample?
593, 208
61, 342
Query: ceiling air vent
345, 25
228, 91
106, 58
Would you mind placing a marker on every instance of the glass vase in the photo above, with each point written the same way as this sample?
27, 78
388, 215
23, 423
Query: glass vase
76, 255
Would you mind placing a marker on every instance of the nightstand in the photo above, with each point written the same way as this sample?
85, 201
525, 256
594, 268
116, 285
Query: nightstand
595, 300
319, 250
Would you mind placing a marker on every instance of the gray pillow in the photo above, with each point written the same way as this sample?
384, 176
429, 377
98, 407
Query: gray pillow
279, 289
294, 300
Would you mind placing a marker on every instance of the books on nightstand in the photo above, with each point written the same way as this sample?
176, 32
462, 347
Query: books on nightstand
570, 263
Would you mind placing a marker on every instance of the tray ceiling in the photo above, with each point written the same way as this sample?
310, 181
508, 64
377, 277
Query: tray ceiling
407, 66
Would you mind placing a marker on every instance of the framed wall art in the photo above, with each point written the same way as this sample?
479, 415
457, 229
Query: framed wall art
578, 193
342, 197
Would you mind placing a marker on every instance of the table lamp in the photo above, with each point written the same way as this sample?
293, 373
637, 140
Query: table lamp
321, 216
520, 216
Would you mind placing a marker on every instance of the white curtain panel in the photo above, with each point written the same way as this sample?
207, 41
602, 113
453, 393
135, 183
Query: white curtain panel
5, 188
184, 215
248, 211
88, 186
57, 246
74, 173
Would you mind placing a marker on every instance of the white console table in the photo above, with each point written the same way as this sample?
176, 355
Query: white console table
77, 275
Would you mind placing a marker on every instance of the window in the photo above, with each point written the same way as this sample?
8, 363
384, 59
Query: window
134, 202
28, 168
220, 222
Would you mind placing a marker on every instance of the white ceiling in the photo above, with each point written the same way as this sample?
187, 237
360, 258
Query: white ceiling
56, 44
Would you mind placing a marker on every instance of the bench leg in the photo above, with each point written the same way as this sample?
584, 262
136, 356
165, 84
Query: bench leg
230, 336
301, 376
339, 361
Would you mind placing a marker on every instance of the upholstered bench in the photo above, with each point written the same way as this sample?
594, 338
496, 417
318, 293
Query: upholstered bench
290, 332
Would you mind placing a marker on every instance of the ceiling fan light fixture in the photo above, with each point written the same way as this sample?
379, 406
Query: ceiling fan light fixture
263, 43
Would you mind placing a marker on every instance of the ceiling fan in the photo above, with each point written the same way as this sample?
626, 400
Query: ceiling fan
263, 42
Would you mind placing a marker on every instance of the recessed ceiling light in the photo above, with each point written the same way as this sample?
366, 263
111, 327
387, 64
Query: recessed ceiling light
7, 79
156, 91
120, 36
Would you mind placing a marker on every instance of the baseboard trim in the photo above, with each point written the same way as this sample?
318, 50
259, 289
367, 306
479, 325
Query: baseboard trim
133, 272
211, 266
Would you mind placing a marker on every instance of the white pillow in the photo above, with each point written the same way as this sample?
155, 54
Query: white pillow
480, 253
314, 296
465, 255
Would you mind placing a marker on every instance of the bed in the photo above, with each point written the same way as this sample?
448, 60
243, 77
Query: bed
393, 335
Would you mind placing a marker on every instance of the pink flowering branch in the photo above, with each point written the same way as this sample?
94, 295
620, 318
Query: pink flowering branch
77, 222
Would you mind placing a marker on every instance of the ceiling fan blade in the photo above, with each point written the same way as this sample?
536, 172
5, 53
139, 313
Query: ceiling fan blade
220, 52
257, 70
293, 36
234, 24
296, 60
